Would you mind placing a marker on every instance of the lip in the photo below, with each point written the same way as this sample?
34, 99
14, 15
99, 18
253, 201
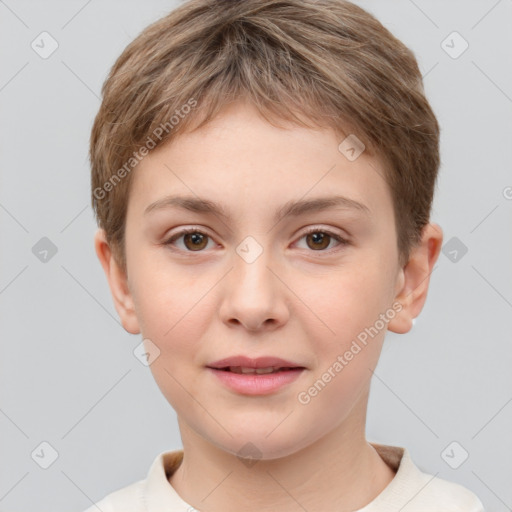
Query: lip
259, 362
254, 384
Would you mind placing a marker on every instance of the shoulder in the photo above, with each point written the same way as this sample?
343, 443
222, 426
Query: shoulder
448, 496
413, 490
150, 494
127, 499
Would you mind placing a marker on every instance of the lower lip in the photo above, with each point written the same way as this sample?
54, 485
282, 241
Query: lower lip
257, 384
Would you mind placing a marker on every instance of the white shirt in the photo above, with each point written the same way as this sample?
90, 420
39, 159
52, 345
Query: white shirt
411, 490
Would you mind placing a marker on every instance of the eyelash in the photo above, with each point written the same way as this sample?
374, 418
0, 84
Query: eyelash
342, 241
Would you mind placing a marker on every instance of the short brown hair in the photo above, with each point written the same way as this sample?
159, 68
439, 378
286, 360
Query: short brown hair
323, 63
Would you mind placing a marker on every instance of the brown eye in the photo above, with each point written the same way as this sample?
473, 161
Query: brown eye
195, 241
318, 240
189, 240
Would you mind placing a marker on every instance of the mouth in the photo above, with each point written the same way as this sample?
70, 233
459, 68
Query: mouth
255, 376
258, 371
244, 380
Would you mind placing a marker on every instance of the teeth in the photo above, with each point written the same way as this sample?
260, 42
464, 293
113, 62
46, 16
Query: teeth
259, 371
266, 370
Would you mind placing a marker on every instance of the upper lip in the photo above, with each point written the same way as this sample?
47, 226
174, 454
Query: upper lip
259, 362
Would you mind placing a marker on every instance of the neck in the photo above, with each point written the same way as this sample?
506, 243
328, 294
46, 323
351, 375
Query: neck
340, 471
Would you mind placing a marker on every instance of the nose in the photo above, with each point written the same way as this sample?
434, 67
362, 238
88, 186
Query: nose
254, 296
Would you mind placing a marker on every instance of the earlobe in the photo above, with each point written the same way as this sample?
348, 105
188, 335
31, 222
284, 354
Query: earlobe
118, 283
415, 278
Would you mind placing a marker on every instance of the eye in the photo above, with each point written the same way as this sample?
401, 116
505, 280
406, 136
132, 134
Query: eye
193, 239
319, 239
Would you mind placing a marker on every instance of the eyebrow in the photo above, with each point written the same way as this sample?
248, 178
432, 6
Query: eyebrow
289, 209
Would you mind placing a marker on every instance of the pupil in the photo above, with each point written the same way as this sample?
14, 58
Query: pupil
319, 239
197, 240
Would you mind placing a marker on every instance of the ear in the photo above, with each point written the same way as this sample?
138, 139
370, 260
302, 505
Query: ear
118, 283
414, 278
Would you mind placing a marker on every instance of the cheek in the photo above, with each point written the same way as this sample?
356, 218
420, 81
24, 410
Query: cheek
350, 305
174, 311
164, 295
175, 323
348, 300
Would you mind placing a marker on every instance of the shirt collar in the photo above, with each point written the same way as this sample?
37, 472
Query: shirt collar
159, 493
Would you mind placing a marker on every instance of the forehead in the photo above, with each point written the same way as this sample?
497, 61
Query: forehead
239, 158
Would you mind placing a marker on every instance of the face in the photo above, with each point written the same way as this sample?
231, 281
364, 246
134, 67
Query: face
259, 277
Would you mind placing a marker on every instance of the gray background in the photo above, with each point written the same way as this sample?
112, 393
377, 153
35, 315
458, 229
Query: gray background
68, 374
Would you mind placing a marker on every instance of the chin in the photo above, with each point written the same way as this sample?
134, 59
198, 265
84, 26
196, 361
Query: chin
257, 444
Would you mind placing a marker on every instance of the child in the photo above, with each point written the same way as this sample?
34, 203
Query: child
262, 175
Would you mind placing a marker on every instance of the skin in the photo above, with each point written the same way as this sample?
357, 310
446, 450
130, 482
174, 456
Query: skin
301, 299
